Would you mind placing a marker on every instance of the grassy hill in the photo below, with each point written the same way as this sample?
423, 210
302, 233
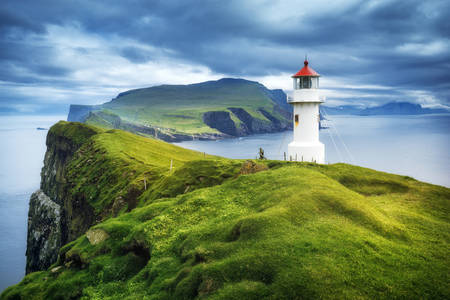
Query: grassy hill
232, 229
246, 107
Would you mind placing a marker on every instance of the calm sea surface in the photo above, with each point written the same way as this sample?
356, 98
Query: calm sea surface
417, 146
22, 149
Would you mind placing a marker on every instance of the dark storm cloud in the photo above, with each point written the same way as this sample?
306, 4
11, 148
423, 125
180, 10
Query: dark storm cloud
10, 20
25, 63
399, 44
135, 55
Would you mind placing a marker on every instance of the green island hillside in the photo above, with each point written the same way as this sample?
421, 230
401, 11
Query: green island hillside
207, 110
130, 227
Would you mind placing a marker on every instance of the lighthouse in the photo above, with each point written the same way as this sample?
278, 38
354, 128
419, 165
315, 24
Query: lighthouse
305, 99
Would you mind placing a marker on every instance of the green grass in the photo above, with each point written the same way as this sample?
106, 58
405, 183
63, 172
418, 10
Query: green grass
127, 165
75, 132
180, 119
290, 231
181, 107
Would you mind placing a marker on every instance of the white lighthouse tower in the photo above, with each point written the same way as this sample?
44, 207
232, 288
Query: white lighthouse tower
305, 99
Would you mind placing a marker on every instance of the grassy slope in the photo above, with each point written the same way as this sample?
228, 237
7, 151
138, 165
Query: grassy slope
182, 107
117, 164
294, 230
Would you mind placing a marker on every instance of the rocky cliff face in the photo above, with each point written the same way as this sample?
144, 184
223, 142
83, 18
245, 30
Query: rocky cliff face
90, 175
44, 232
79, 113
223, 122
51, 207
252, 125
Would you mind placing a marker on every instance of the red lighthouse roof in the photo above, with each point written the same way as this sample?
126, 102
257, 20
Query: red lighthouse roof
306, 71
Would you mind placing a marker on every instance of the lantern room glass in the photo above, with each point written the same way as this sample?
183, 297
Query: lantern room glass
306, 82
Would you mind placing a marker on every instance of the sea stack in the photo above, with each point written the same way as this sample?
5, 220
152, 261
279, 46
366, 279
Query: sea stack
306, 100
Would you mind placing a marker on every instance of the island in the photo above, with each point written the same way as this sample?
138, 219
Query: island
206, 111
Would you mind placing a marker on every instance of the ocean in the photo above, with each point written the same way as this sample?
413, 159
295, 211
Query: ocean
22, 149
417, 146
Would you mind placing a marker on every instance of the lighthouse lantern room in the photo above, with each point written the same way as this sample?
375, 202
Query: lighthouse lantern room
305, 99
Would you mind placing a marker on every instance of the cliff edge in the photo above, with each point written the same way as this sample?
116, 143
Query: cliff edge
50, 208
90, 175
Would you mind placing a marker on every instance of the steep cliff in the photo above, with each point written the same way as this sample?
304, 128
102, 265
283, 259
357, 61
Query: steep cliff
44, 232
79, 113
90, 175
48, 215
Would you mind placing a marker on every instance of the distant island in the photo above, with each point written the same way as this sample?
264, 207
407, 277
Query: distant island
209, 110
212, 110
391, 108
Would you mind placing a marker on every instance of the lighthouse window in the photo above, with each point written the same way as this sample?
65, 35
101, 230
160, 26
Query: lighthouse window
306, 82
297, 83
296, 119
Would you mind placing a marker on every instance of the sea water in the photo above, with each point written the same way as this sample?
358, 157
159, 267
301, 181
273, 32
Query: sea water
417, 146
22, 149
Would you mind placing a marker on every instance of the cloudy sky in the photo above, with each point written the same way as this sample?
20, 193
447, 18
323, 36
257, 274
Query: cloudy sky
53, 53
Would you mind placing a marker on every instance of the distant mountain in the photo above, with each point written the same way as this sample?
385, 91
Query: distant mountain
207, 110
391, 108
340, 110
400, 108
